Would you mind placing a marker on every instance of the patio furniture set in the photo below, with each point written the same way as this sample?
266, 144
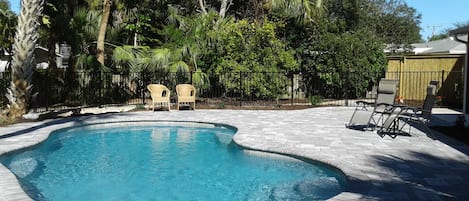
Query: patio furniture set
387, 117
161, 96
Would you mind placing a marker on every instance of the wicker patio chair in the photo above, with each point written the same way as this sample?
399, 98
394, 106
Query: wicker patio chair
160, 96
185, 95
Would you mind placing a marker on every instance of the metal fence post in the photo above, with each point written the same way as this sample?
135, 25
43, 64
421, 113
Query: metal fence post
101, 86
241, 89
81, 83
142, 87
47, 89
192, 73
292, 88
442, 77
347, 84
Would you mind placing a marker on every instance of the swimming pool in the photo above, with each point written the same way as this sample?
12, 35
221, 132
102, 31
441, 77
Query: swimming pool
163, 162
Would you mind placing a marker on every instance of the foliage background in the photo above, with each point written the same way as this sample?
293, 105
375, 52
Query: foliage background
336, 44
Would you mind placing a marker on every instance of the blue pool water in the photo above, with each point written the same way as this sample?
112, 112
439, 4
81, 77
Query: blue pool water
164, 162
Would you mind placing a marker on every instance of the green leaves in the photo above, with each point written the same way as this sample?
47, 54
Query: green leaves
251, 53
344, 63
7, 27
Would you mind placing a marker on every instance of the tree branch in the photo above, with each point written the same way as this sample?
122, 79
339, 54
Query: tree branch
202, 6
225, 5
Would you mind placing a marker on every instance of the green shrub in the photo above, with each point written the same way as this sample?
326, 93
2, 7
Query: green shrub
243, 54
315, 100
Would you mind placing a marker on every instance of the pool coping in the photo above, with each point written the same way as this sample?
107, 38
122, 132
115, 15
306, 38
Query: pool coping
257, 130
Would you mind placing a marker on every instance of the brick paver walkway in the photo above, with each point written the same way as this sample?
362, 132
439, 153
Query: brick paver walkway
414, 167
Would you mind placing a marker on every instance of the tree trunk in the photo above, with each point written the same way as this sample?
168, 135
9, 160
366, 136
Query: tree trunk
202, 6
102, 31
52, 59
20, 91
224, 7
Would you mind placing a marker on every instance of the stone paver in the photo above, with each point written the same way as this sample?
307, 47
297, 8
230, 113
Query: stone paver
416, 167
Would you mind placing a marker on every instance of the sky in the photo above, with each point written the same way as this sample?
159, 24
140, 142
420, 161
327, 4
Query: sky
437, 15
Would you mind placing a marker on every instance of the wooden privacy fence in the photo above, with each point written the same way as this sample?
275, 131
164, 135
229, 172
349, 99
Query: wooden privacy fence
416, 71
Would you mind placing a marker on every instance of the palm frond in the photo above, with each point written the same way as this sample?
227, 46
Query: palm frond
160, 57
200, 79
180, 67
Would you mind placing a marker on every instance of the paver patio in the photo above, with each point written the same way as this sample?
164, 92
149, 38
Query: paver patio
418, 167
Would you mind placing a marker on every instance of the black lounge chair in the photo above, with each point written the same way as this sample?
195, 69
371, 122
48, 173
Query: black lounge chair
400, 116
365, 114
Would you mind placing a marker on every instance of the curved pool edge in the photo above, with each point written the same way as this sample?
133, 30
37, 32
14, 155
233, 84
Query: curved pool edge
30, 137
310, 160
350, 180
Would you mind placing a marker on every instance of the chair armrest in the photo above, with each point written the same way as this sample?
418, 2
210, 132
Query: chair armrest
385, 104
414, 109
364, 103
391, 108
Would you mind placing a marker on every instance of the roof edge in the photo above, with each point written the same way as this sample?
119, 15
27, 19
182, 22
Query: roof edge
461, 30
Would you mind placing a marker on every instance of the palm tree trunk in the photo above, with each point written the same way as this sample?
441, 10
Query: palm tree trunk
102, 31
20, 91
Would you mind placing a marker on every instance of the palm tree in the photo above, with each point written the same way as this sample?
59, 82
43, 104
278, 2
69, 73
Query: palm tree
301, 10
20, 91
85, 23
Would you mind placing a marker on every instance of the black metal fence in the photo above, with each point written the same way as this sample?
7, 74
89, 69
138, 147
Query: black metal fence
264, 89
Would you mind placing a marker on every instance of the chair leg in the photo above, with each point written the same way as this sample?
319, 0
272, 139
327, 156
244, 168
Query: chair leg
425, 125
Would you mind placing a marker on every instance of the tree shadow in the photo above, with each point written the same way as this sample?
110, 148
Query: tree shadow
416, 175
76, 120
413, 128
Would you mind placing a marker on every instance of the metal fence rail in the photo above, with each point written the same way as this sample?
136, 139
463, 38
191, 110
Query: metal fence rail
246, 89
412, 86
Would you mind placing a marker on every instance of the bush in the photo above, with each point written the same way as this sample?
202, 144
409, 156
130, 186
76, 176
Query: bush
244, 53
315, 100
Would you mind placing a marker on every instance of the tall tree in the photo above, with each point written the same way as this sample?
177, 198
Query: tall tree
302, 10
398, 23
102, 31
19, 93
224, 6
7, 27
4, 5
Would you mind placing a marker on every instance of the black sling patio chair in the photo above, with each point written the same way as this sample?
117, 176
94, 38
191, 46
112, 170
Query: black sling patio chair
399, 116
369, 114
